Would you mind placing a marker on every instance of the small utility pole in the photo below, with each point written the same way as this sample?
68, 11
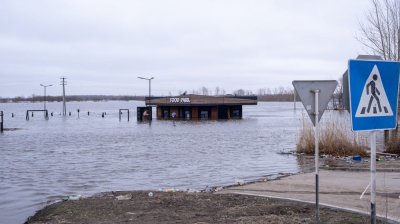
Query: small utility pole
63, 83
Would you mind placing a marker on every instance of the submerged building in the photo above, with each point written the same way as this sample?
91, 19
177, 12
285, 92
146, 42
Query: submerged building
199, 106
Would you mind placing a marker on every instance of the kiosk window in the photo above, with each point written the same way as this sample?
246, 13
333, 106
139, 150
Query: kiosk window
166, 113
187, 114
235, 113
204, 114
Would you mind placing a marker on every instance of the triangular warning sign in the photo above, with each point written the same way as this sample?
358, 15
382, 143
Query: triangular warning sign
306, 90
373, 101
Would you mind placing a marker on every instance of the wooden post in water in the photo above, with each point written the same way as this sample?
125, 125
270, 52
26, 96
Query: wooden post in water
1, 125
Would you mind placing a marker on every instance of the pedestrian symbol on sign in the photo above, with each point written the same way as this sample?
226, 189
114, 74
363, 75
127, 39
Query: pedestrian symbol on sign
374, 101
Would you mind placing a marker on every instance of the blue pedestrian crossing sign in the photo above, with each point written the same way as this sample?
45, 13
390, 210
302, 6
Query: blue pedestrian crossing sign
374, 90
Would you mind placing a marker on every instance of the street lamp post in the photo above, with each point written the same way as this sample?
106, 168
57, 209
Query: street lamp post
149, 86
44, 97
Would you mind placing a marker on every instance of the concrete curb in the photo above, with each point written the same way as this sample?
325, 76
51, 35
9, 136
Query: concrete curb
361, 169
390, 219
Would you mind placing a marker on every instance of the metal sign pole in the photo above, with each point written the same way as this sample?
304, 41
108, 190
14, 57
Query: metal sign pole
316, 155
373, 174
319, 101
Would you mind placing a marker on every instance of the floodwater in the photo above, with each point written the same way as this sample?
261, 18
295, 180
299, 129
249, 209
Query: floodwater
50, 159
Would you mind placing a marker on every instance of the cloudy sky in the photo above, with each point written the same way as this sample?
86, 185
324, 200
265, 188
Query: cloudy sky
101, 47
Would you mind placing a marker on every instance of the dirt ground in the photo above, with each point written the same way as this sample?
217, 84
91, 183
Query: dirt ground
183, 207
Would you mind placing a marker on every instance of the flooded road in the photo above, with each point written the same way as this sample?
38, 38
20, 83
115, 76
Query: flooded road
50, 159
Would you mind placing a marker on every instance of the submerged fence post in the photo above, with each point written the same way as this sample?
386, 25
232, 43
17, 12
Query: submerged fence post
46, 114
120, 112
1, 125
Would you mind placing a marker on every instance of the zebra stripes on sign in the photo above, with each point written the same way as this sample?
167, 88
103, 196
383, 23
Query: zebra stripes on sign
374, 101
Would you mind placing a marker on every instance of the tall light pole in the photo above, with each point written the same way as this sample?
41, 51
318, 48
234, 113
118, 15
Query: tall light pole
149, 86
44, 97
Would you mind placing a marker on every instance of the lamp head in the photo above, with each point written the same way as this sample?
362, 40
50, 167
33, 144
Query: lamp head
145, 78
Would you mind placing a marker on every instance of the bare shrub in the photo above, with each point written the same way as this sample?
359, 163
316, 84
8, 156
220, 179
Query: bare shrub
393, 142
336, 138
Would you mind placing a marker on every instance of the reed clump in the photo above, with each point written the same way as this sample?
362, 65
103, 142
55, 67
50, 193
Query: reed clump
392, 140
336, 138
393, 147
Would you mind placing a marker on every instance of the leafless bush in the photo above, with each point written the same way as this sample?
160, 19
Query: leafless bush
336, 138
393, 142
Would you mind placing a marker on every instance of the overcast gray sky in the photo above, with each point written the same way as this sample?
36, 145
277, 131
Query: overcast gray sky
103, 46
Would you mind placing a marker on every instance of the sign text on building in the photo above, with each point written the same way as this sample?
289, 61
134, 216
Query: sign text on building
179, 100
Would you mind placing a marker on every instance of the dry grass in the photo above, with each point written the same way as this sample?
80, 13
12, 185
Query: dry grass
336, 138
393, 147
393, 142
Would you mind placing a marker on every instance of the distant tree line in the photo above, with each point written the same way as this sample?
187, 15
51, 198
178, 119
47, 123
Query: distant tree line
263, 94
38, 98
276, 94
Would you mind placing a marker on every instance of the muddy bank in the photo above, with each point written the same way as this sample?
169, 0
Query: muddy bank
183, 207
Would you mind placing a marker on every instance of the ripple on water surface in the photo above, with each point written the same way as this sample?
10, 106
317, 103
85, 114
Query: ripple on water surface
69, 155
